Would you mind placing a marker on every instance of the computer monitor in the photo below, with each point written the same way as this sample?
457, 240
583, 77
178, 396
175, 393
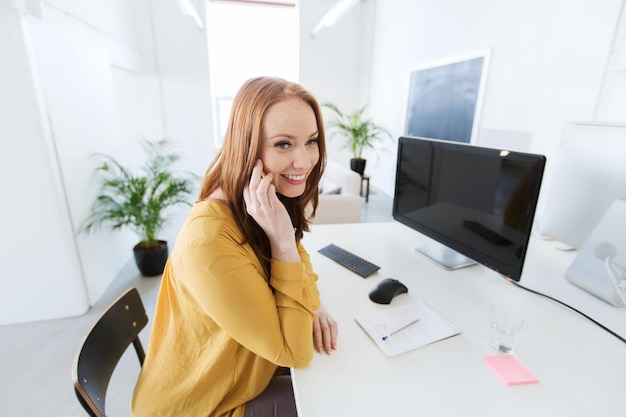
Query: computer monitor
589, 174
470, 204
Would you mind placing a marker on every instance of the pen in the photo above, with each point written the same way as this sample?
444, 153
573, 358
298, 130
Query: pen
401, 328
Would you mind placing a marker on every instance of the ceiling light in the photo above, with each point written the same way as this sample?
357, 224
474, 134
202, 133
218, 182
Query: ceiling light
187, 9
334, 14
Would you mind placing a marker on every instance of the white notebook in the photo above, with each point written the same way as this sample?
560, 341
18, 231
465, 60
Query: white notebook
399, 329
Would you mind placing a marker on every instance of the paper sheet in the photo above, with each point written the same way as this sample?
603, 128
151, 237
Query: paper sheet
404, 333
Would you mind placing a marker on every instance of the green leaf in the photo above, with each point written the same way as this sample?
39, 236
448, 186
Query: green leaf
140, 202
358, 132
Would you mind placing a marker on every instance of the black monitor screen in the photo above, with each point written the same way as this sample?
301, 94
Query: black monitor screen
479, 202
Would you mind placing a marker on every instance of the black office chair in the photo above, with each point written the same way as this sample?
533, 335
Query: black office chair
103, 347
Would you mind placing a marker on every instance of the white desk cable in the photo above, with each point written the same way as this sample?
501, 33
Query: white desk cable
606, 252
623, 339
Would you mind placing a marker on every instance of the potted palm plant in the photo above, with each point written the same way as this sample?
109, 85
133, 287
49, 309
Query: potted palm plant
140, 202
359, 133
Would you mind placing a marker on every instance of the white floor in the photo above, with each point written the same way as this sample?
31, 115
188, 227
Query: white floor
36, 358
377, 209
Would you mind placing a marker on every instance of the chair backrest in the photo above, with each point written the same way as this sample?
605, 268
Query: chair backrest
102, 348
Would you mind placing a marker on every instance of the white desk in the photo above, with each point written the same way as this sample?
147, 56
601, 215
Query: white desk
582, 368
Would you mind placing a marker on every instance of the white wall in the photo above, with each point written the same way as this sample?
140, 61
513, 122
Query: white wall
183, 68
121, 28
39, 260
83, 118
610, 106
547, 60
86, 78
334, 65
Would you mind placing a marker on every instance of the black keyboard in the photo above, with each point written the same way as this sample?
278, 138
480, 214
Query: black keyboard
349, 260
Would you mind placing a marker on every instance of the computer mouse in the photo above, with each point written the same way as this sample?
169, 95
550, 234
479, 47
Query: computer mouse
387, 290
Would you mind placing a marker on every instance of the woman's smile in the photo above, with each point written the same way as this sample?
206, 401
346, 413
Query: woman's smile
294, 178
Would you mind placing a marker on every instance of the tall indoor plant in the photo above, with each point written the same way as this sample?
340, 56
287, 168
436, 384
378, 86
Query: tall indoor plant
140, 202
358, 132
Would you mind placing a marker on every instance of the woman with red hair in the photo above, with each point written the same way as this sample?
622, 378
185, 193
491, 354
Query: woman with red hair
238, 301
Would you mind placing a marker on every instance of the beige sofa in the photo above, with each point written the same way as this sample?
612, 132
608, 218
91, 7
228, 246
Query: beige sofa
340, 195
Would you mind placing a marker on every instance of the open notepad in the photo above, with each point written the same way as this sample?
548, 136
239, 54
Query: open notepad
400, 329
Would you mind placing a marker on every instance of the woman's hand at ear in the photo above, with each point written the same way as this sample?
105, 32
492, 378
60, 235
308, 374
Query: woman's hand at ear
324, 331
269, 212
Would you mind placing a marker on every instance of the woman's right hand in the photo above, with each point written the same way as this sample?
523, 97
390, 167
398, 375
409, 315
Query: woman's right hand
269, 212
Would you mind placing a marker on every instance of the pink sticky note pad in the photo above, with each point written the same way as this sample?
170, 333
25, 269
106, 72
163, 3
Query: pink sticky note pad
510, 370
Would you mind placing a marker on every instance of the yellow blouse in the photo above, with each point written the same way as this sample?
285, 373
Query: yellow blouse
220, 329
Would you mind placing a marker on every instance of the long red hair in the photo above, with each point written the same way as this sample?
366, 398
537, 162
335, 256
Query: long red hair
232, 167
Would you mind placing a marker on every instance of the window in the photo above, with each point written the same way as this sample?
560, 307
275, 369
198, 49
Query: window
248, 39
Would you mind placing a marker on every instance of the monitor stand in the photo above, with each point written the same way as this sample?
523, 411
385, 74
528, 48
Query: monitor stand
442, 255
